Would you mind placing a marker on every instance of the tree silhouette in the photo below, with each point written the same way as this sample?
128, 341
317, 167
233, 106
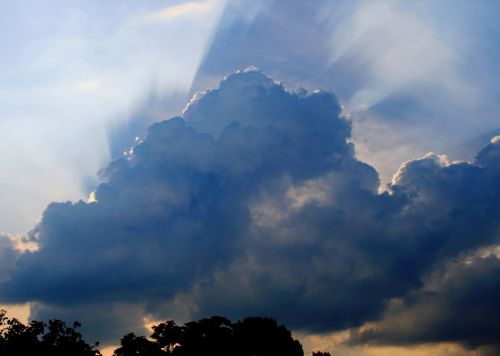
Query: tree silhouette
254, 336
138, 345
38, 338
262, 336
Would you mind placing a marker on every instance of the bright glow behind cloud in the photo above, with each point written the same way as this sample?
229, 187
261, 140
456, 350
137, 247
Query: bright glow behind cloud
69, 70
396, 47
408, 71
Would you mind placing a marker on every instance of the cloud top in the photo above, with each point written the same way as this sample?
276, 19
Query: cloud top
254, 203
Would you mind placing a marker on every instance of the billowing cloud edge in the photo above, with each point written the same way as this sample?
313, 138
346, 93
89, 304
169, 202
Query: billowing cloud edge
253, 202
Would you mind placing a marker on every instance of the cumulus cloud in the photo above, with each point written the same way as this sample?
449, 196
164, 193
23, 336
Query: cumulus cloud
401, 69
253, 202
457, 301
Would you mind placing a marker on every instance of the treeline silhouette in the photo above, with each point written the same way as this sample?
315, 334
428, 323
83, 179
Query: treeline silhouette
38, 338
253, 336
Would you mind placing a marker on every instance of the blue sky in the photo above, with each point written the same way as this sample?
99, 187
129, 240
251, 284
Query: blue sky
73, 70
286, 196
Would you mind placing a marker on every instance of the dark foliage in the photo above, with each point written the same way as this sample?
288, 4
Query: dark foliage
253, 336
38, 338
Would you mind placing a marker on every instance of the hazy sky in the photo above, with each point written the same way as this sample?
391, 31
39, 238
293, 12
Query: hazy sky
285, 196
69, 72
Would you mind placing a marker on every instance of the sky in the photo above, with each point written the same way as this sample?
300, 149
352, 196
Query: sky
180, 159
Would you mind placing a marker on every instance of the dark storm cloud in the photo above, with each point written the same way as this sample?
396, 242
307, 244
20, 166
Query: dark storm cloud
335, 253
254, 203
8, 255
180, 206
458, 303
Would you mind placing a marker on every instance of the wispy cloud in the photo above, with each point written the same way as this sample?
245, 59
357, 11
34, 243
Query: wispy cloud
184, 9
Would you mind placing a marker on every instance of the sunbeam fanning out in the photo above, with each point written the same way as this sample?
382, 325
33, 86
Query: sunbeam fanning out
331, 164
390, 46
70, 73
404, 71
254, 203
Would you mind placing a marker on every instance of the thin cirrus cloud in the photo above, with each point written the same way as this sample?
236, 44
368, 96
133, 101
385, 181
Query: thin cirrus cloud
253, 202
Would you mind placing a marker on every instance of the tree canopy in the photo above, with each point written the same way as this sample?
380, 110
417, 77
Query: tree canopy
252, 336
38, 338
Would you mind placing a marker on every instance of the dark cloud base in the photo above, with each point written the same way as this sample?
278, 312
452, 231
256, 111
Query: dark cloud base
254, 203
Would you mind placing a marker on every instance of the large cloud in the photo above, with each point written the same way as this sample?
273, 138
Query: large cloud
405, 58
253, 202
335, 254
